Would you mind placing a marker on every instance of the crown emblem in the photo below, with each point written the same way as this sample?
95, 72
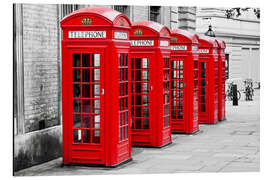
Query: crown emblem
86, 21
122, 22
165, 33
174, 39
138, 32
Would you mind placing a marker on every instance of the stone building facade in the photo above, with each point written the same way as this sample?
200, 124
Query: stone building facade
37, 72
242, 37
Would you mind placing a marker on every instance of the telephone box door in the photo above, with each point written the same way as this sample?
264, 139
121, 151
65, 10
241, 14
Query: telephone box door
178, 93
203, 91
140, 99
86, 123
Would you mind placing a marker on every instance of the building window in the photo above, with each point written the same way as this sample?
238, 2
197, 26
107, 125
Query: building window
155, 13
227, 66
69, 8
123, 9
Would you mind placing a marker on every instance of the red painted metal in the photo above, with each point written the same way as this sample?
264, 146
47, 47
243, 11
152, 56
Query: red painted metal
150, 53
95, 96
184, 82
221, 80
208, 80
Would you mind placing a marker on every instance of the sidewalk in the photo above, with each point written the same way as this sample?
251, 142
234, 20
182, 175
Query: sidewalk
229, 146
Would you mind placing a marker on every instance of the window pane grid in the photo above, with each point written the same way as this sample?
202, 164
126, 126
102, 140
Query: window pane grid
123, 96
166, 90
140, 93
85, 130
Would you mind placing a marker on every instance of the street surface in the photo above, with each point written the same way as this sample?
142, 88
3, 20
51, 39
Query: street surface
229, 146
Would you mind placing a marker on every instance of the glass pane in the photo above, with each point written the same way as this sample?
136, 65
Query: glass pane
138, 123
132, 112
96, 136
145, 123
203, 82
202, 99
76, 105
77, 135
145, 87
132, 63
137, 63
138, 112
76, 59
86, 121
145, 99
86, 136
202, 91
132, 123
95, 75
173, 114
145, 63
96, 106
96, 121
86, 106
76, 90
138, 87
86, 90
96, 90
126, 118
76, 75
138, 76
76, 121
86, 75
202, 74
86, 60
145, 75
138, 100
145, 112
96, 60
202, 107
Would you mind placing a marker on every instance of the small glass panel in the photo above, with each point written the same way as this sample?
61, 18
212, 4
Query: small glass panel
76, 136
145, 63
86, 90
145, 99
137, 63
86, 136
76, 75
86, 60
145, 112
96, 136
138, 76
138, 87
145, 123
96, 106
138, 123
76, 106
95, 75
86, 75
96, 121
76, 90
96, 60
145, 75
86, 106
138, 99
86, 121
76, 121
76, 59
96, 90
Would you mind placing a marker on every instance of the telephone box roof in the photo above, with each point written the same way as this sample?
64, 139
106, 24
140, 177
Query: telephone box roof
107, 14
206, 41
155, 27
185, 36
221, 43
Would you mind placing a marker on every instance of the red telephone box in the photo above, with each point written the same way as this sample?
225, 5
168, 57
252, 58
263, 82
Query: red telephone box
221, 80
150, 54
208, 80
184, 82
96, 103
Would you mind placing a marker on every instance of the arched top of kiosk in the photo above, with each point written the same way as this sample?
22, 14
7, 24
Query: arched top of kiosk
206, 41
221, 44
182, 36
96, 16
149, 28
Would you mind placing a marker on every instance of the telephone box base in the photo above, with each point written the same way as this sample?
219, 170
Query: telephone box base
151, 146
97, 165
223, 119
193, 133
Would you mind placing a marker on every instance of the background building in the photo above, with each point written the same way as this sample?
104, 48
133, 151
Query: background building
37, 65
242, 37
